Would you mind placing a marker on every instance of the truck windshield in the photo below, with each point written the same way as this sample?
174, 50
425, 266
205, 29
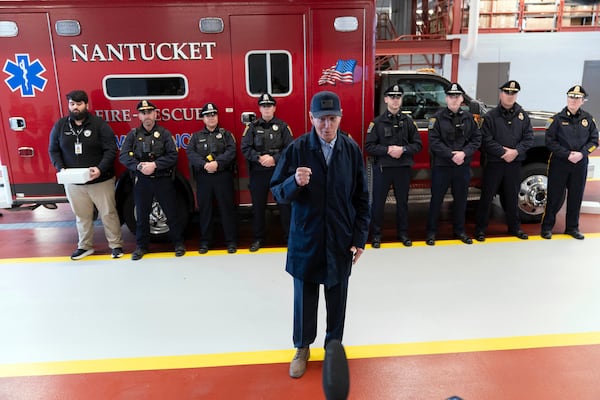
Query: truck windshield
422, 98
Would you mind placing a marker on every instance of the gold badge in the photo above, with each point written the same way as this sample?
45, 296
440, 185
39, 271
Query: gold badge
156, 134
584, 122
521, 117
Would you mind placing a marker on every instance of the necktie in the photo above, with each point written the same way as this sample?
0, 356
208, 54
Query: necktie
327, 152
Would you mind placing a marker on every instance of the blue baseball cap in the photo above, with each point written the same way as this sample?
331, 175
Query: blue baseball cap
325, 103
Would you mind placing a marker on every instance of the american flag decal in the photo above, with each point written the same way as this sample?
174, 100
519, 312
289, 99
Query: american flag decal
342, 71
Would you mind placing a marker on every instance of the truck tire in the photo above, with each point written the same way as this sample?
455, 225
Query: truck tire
533, 192
159, 230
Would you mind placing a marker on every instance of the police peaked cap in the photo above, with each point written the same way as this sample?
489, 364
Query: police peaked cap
577, 91
266, 99
511, 86
209, 108
454, 88
395, 90
145, 105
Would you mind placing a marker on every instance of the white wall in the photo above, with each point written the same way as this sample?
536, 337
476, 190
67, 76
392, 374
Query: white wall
545, 64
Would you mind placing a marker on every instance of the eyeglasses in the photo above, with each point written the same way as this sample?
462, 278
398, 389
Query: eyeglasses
394, 96
211, 114
509, 92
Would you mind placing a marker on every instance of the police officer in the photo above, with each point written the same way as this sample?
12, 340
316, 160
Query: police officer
571, 135
262, 143
393, 139
150, 153
211, 153
453, 139
507, 135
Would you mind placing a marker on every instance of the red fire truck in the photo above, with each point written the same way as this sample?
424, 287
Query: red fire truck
180, 54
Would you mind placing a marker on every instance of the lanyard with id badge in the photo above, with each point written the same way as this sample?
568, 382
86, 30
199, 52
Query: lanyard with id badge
78, 144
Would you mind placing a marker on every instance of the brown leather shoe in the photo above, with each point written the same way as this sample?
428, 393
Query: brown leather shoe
298, 364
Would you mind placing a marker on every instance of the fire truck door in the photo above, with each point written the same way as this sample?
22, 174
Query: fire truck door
268, 55
28, 103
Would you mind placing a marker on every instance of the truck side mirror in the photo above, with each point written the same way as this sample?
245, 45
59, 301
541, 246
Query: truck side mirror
248, 117
475, 107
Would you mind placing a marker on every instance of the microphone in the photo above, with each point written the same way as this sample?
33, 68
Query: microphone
336, 376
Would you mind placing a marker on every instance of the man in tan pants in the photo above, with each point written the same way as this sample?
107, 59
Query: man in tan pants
83, 140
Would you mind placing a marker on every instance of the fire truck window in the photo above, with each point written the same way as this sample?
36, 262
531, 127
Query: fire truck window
137, 87
268, 72
422, 98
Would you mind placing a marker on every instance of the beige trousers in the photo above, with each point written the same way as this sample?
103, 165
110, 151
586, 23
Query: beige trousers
83, 198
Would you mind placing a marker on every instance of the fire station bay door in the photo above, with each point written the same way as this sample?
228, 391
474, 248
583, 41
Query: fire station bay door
28, 103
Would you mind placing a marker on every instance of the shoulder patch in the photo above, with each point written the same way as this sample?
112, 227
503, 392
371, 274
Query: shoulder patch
246, 130
549, 122
370, 128
432, 122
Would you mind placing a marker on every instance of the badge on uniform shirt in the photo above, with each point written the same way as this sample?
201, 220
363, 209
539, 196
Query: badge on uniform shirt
156, 134
584, 122
521, 116
87, 133
275, 128
78, 148
219, 135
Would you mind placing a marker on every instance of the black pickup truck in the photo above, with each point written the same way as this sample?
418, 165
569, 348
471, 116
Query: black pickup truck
424, 96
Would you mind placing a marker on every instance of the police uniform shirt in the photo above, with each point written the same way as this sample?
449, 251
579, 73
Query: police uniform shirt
261, 137
448, 132
388, 129
566, 132
156, 145
511, 128
206, 146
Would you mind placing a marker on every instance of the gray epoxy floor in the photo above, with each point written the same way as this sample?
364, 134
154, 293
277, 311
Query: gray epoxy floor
97, 308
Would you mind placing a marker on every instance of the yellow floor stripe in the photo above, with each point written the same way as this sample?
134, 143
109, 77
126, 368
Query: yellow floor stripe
194, 252
284, 356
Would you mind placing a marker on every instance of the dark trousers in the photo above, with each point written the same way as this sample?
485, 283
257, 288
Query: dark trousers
259, 186
162, 189
457, 178
217, 188
564, 175
306, 301
399, 179
507, 178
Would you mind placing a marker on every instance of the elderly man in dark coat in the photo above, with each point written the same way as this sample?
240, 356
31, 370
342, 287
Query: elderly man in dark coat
322, 175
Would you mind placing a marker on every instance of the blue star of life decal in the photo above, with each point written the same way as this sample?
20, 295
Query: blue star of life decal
25, 75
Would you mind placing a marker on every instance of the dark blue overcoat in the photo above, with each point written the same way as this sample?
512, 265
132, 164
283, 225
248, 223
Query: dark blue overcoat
330, 214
